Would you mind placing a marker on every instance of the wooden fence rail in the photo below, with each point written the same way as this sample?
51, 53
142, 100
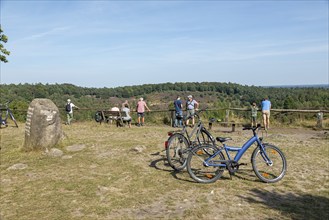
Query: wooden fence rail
319, 113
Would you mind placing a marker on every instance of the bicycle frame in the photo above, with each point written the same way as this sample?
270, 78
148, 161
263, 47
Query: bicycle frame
5, 108
240, 151
195, 131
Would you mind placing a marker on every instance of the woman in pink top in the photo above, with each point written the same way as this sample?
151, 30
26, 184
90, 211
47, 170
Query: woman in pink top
140, 109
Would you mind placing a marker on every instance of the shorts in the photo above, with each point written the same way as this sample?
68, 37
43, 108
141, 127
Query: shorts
190, 112
140, 114
266, 113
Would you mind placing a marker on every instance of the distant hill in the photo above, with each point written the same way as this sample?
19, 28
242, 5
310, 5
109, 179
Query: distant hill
161, 96
325, 86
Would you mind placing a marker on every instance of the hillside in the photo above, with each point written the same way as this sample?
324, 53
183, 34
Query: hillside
161, 96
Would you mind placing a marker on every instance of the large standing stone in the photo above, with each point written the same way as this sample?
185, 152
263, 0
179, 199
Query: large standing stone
43, 125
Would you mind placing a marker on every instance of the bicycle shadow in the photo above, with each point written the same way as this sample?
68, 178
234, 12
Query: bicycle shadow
246, 174
162, 164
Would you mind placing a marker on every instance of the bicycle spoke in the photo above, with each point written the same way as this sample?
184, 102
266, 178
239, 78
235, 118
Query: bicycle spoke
269, 171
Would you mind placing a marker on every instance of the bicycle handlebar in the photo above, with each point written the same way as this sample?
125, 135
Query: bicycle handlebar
252, 128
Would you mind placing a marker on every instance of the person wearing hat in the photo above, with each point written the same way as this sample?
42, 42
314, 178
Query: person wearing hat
140, 109
191, 106
69, 111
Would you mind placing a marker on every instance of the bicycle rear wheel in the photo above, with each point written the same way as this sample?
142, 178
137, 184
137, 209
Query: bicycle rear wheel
205, 137
269, 173
13, 118
177, 151
197, 168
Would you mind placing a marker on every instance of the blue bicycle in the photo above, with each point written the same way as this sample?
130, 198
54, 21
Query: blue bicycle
206, 163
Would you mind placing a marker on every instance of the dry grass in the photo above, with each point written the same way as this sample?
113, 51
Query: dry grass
110, 179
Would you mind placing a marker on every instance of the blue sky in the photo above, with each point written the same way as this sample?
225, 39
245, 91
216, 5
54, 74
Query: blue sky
121, 43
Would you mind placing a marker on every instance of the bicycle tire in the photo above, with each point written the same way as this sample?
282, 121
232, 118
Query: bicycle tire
177, 151
198, 170
269, 173
98, 117
13, 118
205, 137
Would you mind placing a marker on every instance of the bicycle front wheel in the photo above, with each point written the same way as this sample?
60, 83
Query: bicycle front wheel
197, 168
177, 151
269, 172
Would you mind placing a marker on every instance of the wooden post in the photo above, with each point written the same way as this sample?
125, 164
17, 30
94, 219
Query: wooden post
233, 127
319, 123
172, 118
210, 125
227, 117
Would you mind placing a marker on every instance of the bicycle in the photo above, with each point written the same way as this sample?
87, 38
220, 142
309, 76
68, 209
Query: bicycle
180, 142
206, 163
9, 113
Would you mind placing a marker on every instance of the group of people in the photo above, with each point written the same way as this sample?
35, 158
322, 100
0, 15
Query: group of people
140, 109
266, 108
191, 106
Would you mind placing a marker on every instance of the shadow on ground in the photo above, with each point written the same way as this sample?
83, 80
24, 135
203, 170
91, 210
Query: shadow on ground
297, 206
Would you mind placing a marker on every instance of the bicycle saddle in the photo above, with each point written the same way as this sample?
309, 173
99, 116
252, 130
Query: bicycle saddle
223, 139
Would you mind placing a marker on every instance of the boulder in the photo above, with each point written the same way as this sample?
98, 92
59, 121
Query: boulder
43, 128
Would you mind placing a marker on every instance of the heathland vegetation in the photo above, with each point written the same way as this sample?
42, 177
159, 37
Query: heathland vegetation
213, 95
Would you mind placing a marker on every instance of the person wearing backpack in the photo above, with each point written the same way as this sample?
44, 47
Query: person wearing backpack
69, 111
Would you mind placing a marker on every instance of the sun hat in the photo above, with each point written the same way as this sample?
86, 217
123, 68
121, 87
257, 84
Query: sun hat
69, 100
190, 96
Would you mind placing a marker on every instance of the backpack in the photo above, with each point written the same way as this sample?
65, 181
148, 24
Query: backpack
68, 107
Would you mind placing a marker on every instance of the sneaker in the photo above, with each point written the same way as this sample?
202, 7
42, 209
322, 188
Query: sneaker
142, 124
138, 125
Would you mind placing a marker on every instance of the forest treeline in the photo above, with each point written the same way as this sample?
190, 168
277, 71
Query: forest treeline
160, 96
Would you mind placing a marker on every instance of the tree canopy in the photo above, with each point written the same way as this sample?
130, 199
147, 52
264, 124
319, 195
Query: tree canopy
3, 51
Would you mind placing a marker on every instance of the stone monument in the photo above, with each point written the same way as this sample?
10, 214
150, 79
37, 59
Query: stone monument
43, 125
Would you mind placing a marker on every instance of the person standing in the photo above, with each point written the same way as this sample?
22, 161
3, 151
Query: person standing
191, 106
178, 112
140, 109
254, 110
69, 111
266, 108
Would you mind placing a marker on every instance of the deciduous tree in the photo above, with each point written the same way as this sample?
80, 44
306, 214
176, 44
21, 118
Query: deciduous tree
3, 51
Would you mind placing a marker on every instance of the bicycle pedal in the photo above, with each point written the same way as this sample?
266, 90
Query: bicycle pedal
243, 164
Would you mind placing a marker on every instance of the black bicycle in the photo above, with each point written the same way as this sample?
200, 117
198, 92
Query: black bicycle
181, 142
4, 109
